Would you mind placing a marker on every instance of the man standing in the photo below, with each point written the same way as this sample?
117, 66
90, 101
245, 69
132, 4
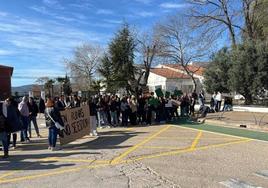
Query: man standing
24, 112
33, 110
60, 104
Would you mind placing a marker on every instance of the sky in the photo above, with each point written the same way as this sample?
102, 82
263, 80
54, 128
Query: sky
36, 35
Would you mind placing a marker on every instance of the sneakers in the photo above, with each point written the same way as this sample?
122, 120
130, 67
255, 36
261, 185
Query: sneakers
94, 133
39, 136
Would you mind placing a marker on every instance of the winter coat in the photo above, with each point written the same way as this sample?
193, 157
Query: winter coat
53, 113
13, 119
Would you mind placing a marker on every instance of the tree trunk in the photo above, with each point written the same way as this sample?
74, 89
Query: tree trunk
248, 99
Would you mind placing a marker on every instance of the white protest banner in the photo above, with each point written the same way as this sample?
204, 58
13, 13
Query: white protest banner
76, 124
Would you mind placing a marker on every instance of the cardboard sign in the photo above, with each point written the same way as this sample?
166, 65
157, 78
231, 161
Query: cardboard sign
76, 124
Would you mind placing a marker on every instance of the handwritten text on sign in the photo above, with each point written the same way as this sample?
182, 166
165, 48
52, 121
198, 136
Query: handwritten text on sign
76, 124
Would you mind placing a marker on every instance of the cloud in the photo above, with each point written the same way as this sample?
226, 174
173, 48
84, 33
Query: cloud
45, 11
3, 14
145, 14
5, 52
144, 1
53, 4
174, 5
105, 11
113, 21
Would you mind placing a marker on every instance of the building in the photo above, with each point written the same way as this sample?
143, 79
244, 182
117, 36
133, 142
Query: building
171, 76
5, 81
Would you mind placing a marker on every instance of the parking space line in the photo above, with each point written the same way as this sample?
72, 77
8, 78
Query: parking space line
51, 173
133, 148
160, 147
196, 140
210, 132
186, 150
178, 151
15, 171
76, 160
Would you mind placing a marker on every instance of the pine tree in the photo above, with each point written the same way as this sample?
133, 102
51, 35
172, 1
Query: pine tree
106, 71
121, 51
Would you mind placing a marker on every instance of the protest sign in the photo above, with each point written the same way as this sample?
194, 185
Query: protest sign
76, 124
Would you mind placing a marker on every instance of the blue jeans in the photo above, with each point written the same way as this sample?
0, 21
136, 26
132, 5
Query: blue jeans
3, 138
23, 133
52, 136
114, 119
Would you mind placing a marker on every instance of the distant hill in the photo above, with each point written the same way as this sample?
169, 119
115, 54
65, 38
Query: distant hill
22, 89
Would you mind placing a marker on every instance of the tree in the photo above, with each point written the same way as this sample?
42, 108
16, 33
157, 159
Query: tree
49, 87
216, 77
41, 81
235, 16
215, 16
106, 71
84, 64
182, 45
121, 53
66, 86
149, 47
261, 19
248, 75
96, 86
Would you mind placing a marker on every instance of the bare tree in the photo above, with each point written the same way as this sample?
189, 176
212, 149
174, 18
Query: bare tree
182, 45
215, 16
41, 81
149, 47
84, 64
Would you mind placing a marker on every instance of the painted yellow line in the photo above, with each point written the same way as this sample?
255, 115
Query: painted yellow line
120, 157
160, 147
196, 140
51, 173
211, 132
130, 129
75, 160
16, 171
186, 150
121, 162
185, 138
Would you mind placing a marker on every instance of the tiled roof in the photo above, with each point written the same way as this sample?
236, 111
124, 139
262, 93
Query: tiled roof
194, 69
167, 73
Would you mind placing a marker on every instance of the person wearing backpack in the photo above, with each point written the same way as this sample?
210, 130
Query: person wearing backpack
3, 128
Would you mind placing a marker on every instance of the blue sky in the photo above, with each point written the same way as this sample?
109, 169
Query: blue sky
35, 35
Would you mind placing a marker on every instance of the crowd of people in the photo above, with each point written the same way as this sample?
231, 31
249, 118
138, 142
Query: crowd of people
105, 111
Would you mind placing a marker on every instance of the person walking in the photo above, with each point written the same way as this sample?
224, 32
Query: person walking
52, 115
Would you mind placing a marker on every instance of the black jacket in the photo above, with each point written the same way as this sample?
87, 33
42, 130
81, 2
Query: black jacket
54, 114
33, 109
3, 120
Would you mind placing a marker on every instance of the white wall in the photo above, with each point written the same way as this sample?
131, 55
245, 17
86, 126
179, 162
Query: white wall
156, 80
